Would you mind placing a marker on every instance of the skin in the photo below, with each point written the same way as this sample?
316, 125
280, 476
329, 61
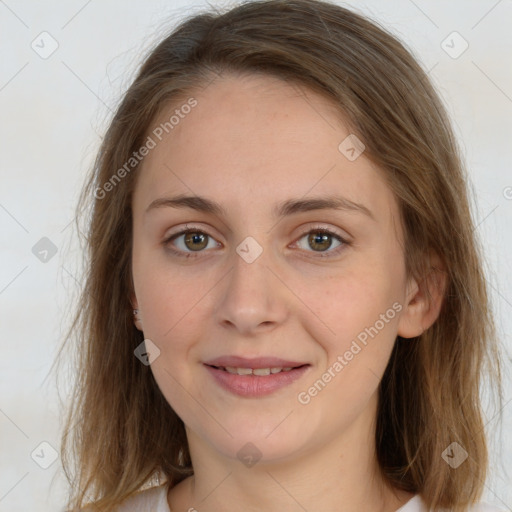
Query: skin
251, 143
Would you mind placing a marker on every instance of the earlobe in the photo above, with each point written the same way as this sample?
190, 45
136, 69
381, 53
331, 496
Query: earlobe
136, 314
136, 319
424, 301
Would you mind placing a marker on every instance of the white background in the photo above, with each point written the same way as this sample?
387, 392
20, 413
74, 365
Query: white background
53, 112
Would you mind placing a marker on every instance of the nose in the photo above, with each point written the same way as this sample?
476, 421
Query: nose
252, 299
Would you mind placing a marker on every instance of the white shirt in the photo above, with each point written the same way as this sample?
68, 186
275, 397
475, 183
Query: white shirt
416, 504
149, 500
155, 500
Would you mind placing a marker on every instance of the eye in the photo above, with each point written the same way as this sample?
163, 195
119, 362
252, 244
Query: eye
189, 241
318, 240
321, 240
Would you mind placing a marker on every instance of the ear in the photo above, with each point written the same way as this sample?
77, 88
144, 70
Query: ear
136, 312
423, 300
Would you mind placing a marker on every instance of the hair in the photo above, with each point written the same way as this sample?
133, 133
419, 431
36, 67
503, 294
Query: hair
120, 432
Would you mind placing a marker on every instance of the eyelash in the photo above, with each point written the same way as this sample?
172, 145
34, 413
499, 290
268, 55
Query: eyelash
321, 254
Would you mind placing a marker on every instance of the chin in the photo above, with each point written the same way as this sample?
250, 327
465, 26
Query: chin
258, 442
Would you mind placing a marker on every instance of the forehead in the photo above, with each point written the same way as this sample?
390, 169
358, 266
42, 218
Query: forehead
256, 140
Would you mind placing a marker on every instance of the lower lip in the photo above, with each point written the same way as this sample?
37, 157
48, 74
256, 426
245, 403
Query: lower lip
255, 385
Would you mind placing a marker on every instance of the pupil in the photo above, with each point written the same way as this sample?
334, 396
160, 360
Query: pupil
193, 238
319, 240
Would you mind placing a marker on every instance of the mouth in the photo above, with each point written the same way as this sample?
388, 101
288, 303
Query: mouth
260, 372
255, 378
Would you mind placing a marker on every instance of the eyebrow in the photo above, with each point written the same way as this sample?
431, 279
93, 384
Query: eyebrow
286, 208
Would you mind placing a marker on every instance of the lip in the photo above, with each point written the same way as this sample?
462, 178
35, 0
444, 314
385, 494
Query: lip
256, 362
254, 385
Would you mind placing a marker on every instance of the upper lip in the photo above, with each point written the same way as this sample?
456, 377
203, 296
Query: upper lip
257, 362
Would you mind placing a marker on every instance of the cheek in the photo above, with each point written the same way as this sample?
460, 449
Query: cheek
345, 306
172, 302
174, 312
362, 313
355, 322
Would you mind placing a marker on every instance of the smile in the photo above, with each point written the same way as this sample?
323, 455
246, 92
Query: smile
254, 371
255, 382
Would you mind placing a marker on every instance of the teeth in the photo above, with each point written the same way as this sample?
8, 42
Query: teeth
256, 371
261, 371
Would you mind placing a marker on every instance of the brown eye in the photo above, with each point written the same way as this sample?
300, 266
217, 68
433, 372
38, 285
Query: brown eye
190, 241
195, 240
320, 240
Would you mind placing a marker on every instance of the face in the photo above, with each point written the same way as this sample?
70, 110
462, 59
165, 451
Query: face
266, 275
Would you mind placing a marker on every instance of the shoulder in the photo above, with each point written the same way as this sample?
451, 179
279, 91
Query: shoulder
154, 499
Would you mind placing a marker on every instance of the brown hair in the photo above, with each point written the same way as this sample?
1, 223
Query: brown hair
122, 431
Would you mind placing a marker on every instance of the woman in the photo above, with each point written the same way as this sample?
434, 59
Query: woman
285, 307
